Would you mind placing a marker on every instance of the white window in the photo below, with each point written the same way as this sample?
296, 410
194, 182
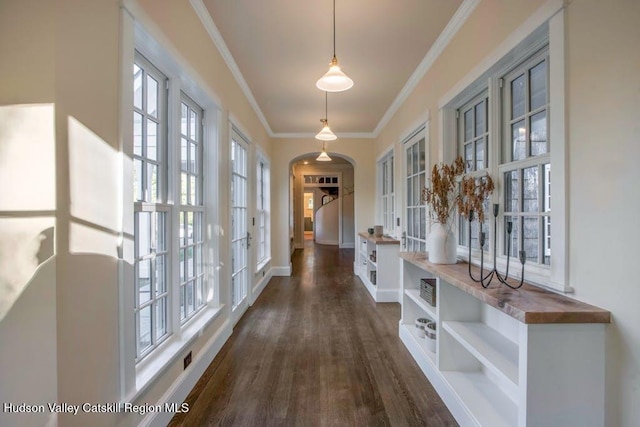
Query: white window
263, 204
151, 211
473, 146
387, 194
504, 123
526, 167
190, 256
416, 212
170, 285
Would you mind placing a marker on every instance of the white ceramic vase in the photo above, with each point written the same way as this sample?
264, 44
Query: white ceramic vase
442, 245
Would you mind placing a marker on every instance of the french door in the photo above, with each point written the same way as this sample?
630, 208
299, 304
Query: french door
415, 177
240, 237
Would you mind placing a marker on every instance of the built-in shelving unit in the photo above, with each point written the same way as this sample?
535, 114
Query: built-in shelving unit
504, 357
377, 266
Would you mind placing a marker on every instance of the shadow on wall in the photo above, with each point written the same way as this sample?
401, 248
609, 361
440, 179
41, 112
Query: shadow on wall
25, 245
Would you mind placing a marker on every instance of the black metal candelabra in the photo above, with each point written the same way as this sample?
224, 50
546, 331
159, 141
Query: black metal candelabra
485, 280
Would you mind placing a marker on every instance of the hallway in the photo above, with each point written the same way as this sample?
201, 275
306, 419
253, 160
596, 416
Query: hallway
315, 350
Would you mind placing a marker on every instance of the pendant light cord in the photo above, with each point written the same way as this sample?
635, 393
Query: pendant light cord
326, 108
334, 28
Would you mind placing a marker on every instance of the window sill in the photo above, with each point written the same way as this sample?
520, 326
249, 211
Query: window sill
166, 354
263, 264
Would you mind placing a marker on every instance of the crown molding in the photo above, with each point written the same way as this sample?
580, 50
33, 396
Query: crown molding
203, 13
303, 135
464, 11
456, 22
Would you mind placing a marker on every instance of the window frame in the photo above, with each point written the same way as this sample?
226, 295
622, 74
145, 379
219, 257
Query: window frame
137, 376
147, 203
415, 241
522, 45
263, 209
386, 193
187, 205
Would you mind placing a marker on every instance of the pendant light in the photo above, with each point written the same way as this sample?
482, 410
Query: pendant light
325, 134
334, 80
323, 157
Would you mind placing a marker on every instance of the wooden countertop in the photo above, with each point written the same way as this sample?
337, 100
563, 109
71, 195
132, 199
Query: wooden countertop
384, 240
529, 304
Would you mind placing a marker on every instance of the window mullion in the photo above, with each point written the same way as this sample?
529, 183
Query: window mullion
173, 199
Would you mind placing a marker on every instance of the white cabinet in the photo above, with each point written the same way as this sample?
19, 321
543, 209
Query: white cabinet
506, 357
376, 263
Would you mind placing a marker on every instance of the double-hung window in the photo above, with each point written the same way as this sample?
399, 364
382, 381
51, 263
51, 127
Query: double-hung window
502, 130
473, 147
387, 195
526, 165
416, 178
151, 211
191, 217
169, 241
263, 202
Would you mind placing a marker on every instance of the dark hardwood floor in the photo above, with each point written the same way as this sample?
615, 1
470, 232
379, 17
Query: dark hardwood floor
315, 350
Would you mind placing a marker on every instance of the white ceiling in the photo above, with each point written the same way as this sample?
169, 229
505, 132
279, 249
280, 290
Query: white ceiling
281, 47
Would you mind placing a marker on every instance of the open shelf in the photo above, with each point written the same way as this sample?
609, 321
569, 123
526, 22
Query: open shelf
492, 349
414, 294
495, 345
410, 333
487, 404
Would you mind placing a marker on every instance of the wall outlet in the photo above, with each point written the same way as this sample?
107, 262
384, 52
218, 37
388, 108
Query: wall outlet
187, 360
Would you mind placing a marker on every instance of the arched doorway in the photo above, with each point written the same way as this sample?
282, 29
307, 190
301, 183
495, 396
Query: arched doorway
322, 201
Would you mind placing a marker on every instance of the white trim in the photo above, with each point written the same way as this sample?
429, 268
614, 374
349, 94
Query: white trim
327, 242
152, 43
346, 135
453, 26
418, 125
259, 287
347, 245
179, 390
126, 333
538, 18
387, 295
459, 18
165, 355
239, 128
545, 26
559, 274
282, 271
204, 16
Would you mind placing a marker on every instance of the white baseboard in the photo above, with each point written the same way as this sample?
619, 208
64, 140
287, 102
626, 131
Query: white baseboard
259, 287
348, 245
282, 271
390, 295
327, 242
179, 390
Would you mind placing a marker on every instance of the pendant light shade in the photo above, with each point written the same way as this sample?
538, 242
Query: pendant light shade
325, 134
335, 80
323, 157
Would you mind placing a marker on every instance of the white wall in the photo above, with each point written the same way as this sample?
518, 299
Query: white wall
604, 100
603, 136
59, 329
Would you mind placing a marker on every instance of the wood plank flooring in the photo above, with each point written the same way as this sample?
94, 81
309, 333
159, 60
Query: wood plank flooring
315, 350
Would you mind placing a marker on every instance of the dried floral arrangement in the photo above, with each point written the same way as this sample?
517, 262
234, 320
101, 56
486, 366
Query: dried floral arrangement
450, 189
473, 193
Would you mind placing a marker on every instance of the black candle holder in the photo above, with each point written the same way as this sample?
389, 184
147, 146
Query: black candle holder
485, 281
